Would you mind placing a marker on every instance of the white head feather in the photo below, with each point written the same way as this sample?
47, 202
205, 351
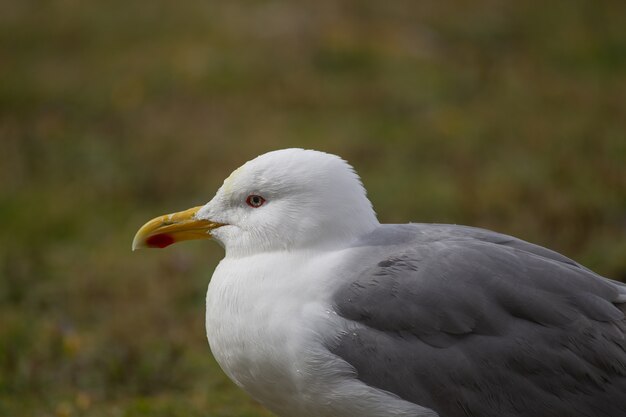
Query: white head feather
312, 199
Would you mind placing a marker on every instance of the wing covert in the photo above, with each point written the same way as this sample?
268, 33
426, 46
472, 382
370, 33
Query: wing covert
505, 331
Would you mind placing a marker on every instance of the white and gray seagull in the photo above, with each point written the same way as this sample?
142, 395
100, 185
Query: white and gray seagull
318, 310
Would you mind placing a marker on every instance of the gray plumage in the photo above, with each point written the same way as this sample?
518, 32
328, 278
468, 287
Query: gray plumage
470, 322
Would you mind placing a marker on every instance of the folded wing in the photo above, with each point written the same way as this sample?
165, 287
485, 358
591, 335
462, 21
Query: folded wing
472, 323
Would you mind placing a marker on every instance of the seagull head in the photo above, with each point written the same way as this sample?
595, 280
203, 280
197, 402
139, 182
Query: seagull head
283, 200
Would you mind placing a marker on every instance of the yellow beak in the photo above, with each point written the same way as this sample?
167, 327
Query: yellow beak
165, 230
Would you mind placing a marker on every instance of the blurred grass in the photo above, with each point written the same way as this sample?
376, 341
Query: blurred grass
504, 115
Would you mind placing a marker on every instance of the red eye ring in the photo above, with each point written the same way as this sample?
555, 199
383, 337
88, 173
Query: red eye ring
255, 201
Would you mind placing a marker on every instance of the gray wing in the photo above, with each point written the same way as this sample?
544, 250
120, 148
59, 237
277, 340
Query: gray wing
473, 323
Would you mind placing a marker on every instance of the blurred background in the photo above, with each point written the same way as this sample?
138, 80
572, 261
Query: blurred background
498, 114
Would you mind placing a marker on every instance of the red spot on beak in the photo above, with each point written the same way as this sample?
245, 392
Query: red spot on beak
159, 241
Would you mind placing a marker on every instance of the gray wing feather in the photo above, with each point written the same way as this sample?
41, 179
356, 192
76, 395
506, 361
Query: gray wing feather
473, 323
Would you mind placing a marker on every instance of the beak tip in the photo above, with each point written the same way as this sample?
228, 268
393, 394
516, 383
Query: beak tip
139, 242
135, 245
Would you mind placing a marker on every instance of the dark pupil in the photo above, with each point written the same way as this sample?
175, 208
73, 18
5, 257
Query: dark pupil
256, 200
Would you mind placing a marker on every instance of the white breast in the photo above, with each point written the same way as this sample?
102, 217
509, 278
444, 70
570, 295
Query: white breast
265, 316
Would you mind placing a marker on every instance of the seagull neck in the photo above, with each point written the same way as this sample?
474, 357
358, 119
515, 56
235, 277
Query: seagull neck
316, 244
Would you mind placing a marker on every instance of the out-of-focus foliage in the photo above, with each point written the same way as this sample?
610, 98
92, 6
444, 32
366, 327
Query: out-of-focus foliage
505, 115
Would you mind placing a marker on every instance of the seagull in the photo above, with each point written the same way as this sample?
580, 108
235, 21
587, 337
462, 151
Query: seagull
319, 310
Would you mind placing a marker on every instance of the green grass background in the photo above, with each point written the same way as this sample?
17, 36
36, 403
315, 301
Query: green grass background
504, 115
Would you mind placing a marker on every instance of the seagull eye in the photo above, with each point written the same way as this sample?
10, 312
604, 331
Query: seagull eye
255, 201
